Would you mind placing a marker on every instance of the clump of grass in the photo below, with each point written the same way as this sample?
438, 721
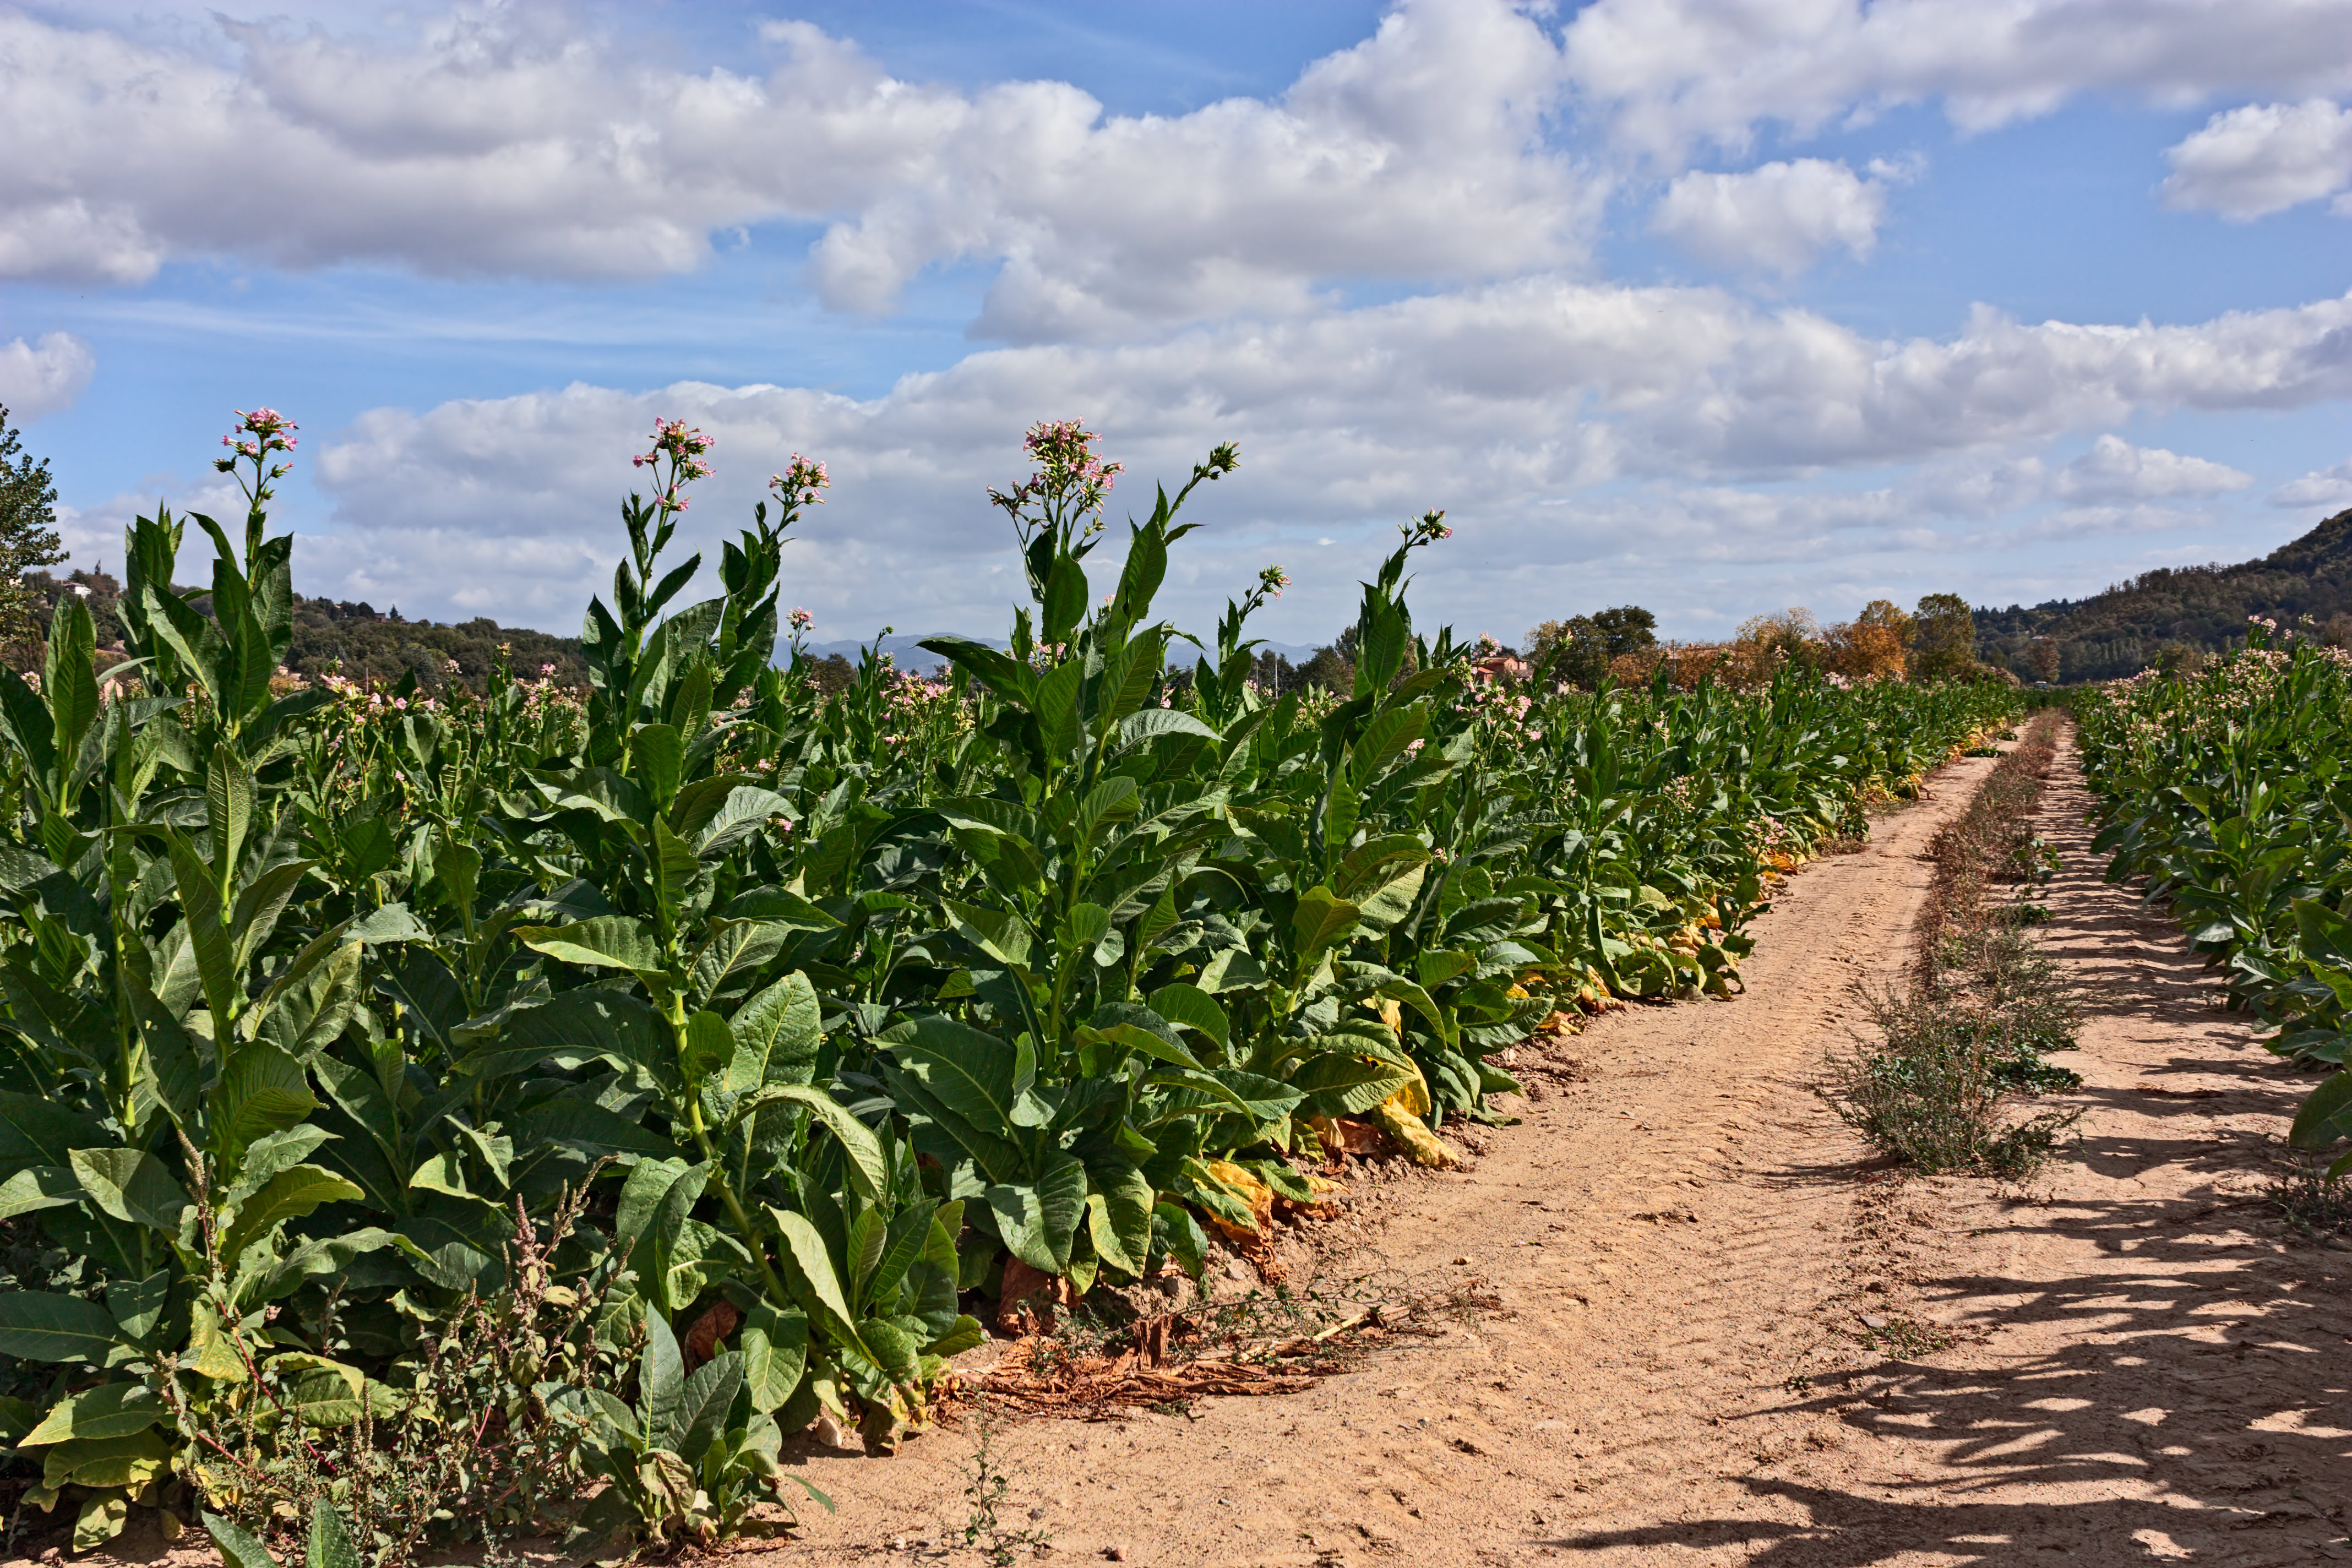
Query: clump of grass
2311, 1201
1973, 1031
1931, 1093
1904, 1340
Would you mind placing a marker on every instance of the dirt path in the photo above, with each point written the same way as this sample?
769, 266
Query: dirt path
1684, 1245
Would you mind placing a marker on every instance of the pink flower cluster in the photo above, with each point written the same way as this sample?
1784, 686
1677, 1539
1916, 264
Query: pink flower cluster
683, 446
799, 482
258, 434
1068, 469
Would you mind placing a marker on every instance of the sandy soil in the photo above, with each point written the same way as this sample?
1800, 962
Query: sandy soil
1689, 1254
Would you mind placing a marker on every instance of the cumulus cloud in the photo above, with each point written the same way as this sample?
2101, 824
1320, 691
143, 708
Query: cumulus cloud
1665, 75
1522, 407
42, 377
510, 141
2330, 488
1780, 218
2115, 470
2262, 159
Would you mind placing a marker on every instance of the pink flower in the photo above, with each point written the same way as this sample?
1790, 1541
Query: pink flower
799, 482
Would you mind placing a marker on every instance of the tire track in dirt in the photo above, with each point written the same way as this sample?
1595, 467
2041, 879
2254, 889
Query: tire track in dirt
1665, 1239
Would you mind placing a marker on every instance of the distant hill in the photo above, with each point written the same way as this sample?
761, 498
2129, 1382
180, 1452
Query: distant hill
2125, 629
357, 640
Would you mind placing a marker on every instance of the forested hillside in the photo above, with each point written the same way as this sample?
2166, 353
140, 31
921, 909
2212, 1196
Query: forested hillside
2132, 623
357, 640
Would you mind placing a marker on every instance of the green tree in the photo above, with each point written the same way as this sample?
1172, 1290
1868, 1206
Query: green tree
1330, 668
1578, 650
28, 534
1944, 646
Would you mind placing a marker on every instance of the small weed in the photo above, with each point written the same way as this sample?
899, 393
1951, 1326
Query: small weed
984, 1490
2029, 914
2312, 1204
2036, 859
1904, 1340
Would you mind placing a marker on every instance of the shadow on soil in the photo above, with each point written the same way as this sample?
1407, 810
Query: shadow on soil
2249, 1338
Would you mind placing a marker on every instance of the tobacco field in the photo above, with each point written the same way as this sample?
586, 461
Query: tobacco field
447, 1107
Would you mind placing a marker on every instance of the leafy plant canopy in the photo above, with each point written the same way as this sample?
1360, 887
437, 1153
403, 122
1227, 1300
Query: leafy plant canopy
696, 1052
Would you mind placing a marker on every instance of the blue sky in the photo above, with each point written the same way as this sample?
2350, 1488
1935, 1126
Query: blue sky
1716, 307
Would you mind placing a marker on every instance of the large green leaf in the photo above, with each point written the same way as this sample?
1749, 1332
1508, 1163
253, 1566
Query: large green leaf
642, 1192
732, 958
710, 1390
571, 1027
965, 1078
237, 1549
775, 1353
1194, 1009
608, 941
2325, 1115
868, 1166
708, 1046
262, 1090
1151, 723
777, 1033
584, 1125
661, 1380
743, 813
288, 1194
812, 1273
304, 1013
130, 1461
131, 1184
1039, 1220
35, 1130
1119, 1215
330, 1545
37, 1325
207, 937
110, 1410
1323, 921
69, 682
38, 1187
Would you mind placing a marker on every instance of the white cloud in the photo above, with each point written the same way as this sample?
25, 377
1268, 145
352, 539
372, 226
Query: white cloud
2262, 159
1780, 218
513, 140
1668, 74
1528, 409
2093, 522
43, 377
2115, 470
2330, 487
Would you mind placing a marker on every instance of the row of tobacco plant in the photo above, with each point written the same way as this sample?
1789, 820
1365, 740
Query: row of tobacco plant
443, 1108
2229, 791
